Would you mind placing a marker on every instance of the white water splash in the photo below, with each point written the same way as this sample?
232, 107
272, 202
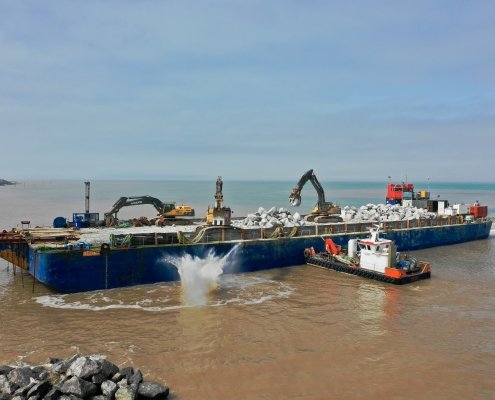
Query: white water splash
200, 276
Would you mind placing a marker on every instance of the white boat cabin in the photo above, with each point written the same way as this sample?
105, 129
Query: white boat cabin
376, 253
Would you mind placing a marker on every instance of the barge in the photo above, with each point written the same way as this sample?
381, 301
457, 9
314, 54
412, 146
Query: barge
75, 259
65, 260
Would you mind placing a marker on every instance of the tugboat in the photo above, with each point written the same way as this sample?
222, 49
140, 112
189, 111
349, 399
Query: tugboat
377, 259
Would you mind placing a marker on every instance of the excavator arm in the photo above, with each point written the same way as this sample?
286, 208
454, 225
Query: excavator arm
295, 196
323, 211
164, 209
160, 207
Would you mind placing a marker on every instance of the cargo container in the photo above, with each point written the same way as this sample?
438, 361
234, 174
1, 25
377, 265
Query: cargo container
462, 209
478, 211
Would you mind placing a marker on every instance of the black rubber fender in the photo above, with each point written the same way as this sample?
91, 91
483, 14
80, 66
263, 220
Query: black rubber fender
105, 248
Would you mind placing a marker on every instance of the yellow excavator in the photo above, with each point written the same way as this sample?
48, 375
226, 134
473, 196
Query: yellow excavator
323, 211
166, 211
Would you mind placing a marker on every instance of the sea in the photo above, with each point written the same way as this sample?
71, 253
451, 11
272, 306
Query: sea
291, 333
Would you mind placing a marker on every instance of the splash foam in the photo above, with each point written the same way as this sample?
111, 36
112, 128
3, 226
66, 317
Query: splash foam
200, 276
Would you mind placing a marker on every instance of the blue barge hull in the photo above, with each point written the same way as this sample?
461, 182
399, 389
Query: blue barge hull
77, 270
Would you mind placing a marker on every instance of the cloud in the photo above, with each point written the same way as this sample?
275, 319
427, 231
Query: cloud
262, 89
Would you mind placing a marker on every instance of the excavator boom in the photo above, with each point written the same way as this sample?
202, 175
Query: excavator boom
168, 210
322, 207
295, 196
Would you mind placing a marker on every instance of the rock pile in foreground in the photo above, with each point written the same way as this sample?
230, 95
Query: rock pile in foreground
79, 377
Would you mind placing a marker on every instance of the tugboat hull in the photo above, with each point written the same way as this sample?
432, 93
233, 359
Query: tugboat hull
322, 261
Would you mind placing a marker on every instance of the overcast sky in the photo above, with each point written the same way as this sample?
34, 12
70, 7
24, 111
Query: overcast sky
356, 90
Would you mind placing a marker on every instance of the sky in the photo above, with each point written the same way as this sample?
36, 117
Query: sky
258, 90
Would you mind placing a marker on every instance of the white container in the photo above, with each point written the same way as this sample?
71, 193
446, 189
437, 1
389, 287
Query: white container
461, 208
450, 211
352, 247
442, 206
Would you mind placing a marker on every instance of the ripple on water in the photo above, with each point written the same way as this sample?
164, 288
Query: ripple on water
241, 289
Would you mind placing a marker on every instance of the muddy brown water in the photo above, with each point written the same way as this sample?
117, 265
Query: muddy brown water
292, 333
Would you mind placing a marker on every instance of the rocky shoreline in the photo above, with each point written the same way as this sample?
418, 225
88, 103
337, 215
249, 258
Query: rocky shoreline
4, 182
78, 377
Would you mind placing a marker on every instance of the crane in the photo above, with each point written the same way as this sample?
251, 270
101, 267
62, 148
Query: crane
323, 211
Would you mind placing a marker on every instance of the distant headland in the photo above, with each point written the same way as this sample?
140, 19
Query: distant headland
3, 182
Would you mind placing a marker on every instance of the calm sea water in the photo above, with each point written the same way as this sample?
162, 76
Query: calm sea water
42, 201
298, 332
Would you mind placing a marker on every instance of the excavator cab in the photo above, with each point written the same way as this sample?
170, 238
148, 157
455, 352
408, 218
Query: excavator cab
180, 211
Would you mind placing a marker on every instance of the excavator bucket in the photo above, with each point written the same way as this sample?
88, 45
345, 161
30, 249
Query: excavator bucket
295, 197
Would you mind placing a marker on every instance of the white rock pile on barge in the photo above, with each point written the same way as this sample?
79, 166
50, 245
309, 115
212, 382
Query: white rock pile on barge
78, 377
384, 212
272, 218
275, 217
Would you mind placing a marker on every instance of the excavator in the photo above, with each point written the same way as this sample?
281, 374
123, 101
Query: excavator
323, 211
166, 211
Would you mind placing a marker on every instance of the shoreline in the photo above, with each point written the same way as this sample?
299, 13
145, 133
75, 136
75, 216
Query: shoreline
4, 182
